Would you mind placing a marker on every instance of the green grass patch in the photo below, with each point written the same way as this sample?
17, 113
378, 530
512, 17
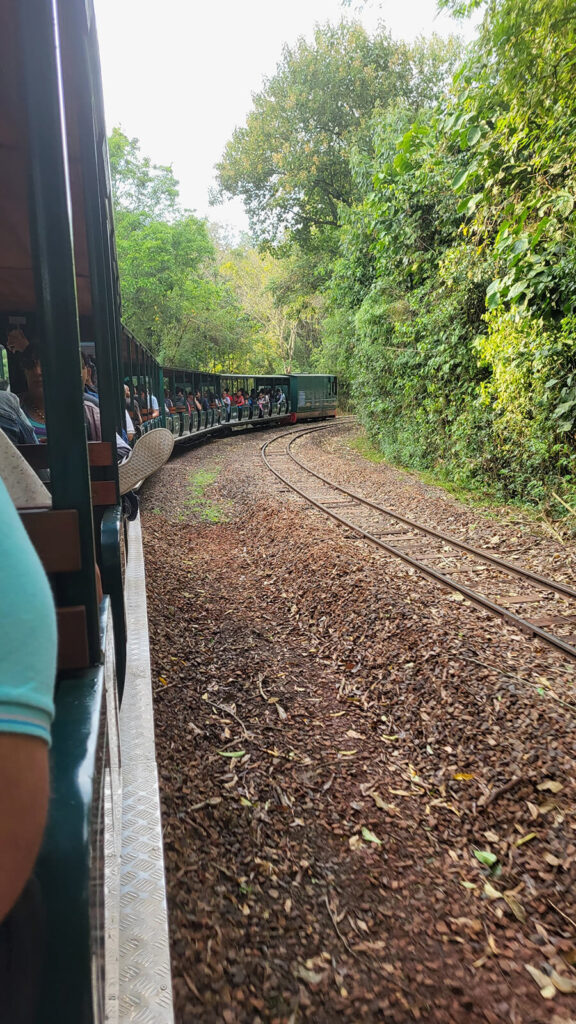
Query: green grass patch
197, 501
367, 450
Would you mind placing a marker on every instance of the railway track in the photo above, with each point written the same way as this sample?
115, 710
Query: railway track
536, 605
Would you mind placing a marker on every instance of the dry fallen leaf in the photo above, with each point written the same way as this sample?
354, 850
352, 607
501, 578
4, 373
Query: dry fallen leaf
516, 907
539, 977
563, 984
491, 893
547, 990
311, 977
554, 862
382, 803
551, 785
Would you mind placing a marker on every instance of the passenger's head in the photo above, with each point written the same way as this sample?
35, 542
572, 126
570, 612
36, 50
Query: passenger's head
89, 366
84, 368
16, 340
30, 362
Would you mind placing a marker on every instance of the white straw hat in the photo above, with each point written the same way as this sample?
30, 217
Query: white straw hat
23, 485
149, 453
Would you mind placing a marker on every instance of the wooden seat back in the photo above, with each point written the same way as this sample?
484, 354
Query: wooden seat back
56, 537
102, 458
149, 414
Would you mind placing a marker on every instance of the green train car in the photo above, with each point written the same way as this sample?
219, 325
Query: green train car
313, 396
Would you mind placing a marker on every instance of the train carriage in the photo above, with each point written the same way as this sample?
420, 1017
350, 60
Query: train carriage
71, 950
313, 396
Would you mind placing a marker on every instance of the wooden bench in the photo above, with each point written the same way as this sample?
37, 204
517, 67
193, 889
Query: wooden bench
55, 535
149, 414
101, 457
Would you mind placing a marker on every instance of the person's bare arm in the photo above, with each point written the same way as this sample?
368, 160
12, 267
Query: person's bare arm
23, 806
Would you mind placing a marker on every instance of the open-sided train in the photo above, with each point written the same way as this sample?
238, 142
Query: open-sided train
304, 396
87, 942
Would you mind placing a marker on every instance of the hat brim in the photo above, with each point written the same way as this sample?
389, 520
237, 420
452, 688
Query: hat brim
150, 453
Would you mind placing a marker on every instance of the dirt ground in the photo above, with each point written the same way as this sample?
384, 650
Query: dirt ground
367, 785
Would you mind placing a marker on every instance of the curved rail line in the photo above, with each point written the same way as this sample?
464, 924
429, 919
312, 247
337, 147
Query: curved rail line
476, 557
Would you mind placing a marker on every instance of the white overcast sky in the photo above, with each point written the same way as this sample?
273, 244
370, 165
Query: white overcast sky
179, 74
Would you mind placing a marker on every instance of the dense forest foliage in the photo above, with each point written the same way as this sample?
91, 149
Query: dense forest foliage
424, 200
193, 297
412, 216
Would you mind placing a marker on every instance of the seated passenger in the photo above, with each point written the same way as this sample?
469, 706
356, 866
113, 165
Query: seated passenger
149, 403
133, 418
132, 407
90, 389
33, 371
16, 340
32, 401
13, 421
130, 432
154, 406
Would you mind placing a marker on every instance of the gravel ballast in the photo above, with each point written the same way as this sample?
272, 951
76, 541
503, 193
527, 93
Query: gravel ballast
367, 785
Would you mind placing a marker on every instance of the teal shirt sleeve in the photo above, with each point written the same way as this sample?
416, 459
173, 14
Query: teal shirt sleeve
28, 636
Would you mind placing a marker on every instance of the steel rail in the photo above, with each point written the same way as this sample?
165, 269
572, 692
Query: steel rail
485, 556
473, 596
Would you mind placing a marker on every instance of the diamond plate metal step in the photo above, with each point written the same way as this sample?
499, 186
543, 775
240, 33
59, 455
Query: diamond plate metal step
145, 982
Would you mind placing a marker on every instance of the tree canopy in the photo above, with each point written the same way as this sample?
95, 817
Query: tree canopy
173, 296
429, 225
290, 162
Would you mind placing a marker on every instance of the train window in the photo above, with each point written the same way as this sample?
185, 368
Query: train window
334, 387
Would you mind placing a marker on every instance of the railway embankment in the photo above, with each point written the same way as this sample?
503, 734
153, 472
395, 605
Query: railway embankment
367, 783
